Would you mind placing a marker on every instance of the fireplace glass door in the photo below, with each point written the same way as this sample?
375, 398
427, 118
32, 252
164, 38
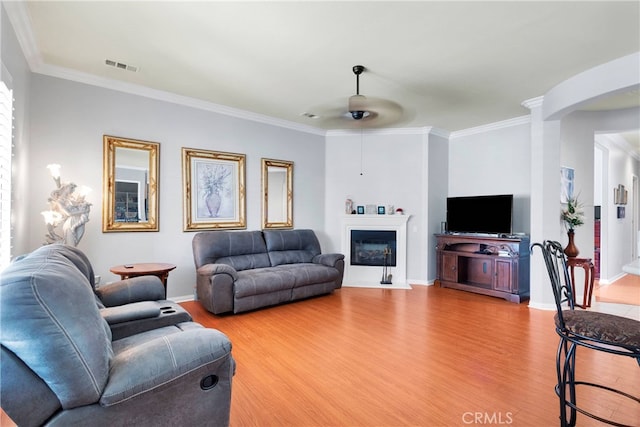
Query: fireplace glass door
371, 247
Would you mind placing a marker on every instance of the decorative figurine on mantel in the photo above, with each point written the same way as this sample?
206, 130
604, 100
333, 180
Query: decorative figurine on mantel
386, 278
348, 207
69, 210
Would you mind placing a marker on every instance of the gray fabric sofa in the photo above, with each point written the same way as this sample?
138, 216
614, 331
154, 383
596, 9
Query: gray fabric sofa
61, 366
239, 271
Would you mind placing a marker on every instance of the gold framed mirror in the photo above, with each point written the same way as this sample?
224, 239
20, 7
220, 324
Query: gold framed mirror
277, 193
129, 184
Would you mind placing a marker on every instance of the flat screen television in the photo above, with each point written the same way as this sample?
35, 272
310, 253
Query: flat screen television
480, 214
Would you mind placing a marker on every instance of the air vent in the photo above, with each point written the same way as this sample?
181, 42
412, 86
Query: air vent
121, 65
310, 115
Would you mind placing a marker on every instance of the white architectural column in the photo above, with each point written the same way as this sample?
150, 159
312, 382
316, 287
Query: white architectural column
545, 199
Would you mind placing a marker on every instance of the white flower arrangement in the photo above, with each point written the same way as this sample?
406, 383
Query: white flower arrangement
573, 215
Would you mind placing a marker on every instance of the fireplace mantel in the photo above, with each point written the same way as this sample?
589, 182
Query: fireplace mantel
358, 275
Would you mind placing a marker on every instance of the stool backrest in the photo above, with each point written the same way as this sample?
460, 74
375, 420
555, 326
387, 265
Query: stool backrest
556, 263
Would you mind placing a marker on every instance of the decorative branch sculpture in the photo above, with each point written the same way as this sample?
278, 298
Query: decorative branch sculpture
69, 211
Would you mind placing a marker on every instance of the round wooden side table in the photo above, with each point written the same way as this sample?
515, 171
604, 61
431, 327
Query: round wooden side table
158, 269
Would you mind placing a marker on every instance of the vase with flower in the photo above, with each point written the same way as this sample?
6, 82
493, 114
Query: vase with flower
573, 216
213, 184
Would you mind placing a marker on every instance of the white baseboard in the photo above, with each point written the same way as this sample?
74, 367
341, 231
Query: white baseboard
545, 306
183, 298
420, 282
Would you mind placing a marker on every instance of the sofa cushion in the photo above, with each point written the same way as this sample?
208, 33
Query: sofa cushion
310, 274
263, 281
291, 246
49, 319
241, 250
119, 345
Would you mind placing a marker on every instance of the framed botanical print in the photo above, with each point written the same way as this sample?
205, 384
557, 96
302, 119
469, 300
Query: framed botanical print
214, 190
566, 183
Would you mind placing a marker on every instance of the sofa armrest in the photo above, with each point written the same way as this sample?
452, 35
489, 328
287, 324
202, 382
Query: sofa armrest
147, 368
214, 287
328, 259
213, 269
130, 312
135, 289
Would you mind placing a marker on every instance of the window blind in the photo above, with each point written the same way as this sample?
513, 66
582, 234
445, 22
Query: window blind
6, 146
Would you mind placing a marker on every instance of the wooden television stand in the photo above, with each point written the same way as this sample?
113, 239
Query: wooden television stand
495, 266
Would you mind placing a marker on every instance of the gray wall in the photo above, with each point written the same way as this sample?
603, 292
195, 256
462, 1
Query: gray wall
494, 161
68, 121
383, 167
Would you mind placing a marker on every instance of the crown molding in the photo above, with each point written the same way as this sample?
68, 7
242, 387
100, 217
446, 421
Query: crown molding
532, 103
135, 89
516, 121
425, 130
611, 139
440, 132
21, 22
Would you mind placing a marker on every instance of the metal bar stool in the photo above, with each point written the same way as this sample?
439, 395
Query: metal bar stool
596, 331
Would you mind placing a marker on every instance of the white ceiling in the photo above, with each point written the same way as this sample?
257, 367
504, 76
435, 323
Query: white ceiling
451, 65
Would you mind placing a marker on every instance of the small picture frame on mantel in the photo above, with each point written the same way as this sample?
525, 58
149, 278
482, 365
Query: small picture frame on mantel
360, 210
381, 210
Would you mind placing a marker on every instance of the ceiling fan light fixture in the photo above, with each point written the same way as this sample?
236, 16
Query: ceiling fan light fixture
358, 107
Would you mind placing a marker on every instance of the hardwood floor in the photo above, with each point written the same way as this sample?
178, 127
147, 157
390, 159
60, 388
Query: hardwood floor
625, 290
423, 357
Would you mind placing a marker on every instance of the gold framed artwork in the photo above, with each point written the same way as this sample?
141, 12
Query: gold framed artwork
214, 190
130, 184
277, 193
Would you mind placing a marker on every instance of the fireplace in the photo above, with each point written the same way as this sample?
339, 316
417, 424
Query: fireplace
364, 239
371, 247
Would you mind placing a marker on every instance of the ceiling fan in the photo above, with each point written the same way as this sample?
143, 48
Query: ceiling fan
358, 103
362, 111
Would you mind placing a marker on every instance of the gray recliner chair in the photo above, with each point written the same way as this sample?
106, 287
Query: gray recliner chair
132, 305
59, 364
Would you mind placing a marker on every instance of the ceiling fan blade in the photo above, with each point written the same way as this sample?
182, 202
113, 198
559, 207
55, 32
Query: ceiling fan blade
384, 108
360, 111
379, 113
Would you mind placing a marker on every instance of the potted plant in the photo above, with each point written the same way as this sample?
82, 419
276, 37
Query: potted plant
573, 216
